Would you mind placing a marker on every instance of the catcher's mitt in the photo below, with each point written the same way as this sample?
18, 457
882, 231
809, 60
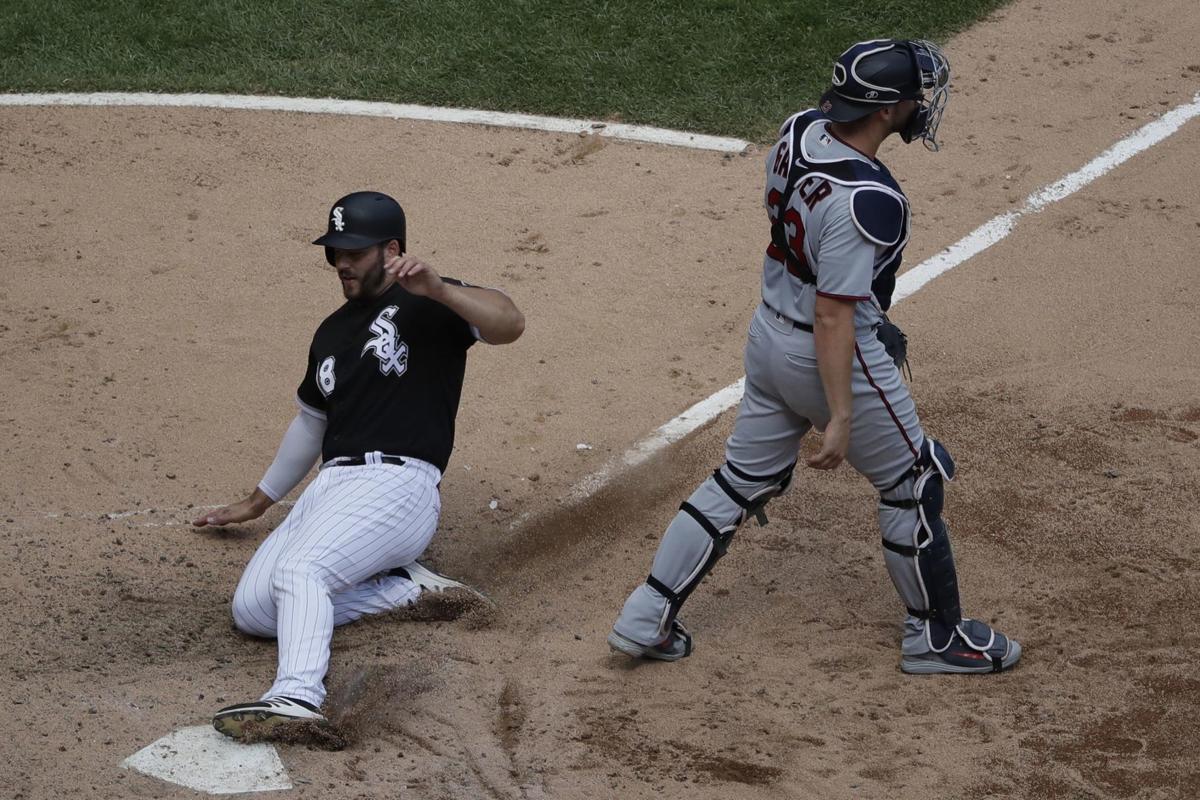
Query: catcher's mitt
895, 342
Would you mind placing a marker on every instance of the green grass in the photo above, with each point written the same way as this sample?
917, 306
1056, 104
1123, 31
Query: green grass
732, 67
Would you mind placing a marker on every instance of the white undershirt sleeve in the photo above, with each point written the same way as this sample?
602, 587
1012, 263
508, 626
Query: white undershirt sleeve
299, 450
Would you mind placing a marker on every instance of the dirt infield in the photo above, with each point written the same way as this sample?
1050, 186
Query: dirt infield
156, 305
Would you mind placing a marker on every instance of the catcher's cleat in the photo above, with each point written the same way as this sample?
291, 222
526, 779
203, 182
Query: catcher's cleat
264, 714
430, 581
677, 645
995, 653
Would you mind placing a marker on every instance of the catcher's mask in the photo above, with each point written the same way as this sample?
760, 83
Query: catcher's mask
360, 220
881, 72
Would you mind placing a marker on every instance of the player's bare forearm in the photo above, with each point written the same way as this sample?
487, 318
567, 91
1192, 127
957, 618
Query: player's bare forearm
492, 312
833, 335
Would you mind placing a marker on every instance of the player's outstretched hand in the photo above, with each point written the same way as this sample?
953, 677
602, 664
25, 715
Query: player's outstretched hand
834, 444
415, 276
243, 511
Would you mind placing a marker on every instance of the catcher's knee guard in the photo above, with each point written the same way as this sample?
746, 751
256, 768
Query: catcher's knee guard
697, 537
753, 492
917, 544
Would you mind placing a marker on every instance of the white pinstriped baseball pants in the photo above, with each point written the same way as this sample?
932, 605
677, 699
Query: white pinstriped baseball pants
323, 566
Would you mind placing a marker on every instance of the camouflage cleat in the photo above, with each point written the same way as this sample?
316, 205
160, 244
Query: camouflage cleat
264, 715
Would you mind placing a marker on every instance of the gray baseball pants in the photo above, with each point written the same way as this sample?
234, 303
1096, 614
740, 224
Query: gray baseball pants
783, 399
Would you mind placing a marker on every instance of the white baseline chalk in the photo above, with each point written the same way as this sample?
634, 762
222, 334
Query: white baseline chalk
362, 108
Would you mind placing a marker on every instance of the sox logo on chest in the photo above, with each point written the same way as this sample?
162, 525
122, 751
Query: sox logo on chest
386, 345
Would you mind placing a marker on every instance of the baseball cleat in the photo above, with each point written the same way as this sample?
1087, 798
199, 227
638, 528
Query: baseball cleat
959, 658
430, 581
265, 715
677, 645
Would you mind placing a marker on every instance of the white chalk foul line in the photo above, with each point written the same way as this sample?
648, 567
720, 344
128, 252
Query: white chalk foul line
362, 108
907, 284
998, 227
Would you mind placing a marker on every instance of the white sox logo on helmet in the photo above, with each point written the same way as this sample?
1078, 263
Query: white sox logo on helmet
338, 223
387, 347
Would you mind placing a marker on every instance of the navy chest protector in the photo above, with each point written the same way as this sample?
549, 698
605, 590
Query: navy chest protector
848, 172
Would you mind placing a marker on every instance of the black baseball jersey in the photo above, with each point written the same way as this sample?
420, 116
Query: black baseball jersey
388, 376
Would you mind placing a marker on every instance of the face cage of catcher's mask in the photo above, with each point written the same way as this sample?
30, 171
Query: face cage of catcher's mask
934, 71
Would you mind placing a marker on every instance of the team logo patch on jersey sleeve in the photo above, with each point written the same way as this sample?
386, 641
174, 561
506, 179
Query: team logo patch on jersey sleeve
386, 345
325, 376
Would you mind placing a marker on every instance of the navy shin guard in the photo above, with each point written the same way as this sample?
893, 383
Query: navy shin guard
917, 544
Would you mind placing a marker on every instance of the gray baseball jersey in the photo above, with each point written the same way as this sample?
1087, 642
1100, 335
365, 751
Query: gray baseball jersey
844, 223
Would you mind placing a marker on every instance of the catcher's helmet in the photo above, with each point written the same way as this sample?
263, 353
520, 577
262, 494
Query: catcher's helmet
881, 72
362, 219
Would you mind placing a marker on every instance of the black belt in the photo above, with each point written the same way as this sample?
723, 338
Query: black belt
359, 461
800, 325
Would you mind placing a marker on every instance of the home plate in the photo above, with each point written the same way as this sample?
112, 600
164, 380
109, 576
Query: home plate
202, 759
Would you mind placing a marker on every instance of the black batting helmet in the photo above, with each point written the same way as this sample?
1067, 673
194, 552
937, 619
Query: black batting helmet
362, 219
881, 72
